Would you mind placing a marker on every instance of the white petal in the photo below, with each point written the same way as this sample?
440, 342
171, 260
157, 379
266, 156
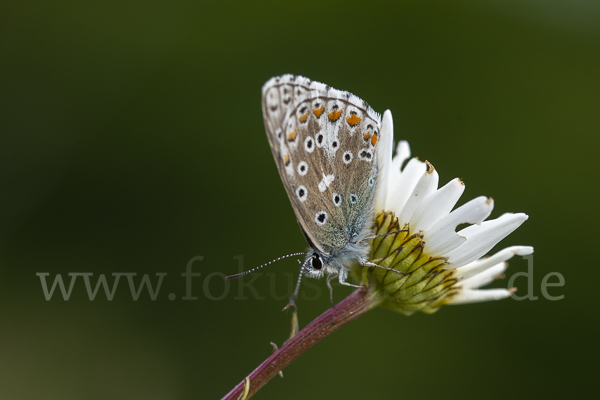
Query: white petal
426, 186
437, 206
482, 264
384, 159
402, 154
442, 237
484, 277
480, 239
405, 184
474, 296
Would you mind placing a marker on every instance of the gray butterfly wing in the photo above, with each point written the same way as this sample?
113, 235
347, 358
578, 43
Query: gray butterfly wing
324, 143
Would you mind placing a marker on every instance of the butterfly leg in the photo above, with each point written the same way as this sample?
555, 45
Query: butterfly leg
366, 263
343, 275
292, 302
329, 279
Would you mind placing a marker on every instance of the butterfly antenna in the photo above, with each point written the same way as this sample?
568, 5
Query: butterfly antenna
385, 234
264, 265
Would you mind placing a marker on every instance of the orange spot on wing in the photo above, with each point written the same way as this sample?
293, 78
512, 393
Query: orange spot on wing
286, 159
303, 117
367, 136
318, 111
335, 115
292, 136
374, 140
353, 119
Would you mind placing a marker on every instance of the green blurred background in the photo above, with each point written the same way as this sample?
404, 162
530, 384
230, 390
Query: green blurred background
132, 140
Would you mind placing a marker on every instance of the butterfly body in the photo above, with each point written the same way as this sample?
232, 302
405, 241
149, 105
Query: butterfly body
324, 142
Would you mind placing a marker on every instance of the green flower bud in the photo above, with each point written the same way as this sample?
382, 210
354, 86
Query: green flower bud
422, 283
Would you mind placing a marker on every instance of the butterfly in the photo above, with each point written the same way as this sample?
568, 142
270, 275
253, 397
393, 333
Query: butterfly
325, 143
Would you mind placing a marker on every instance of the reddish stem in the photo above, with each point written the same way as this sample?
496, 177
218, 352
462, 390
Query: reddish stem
353, 306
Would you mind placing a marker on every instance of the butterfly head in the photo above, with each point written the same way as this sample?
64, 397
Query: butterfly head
314, 265
317, 265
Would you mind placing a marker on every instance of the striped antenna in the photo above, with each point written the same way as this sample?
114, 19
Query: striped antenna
385, 234
297, 290
264, 265
292, 302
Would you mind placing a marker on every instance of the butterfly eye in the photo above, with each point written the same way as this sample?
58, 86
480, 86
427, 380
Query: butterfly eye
316, 263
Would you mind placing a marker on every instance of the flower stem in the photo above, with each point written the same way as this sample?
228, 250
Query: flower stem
353, 306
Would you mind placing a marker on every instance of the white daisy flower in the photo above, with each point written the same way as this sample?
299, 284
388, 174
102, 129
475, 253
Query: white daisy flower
437, 264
